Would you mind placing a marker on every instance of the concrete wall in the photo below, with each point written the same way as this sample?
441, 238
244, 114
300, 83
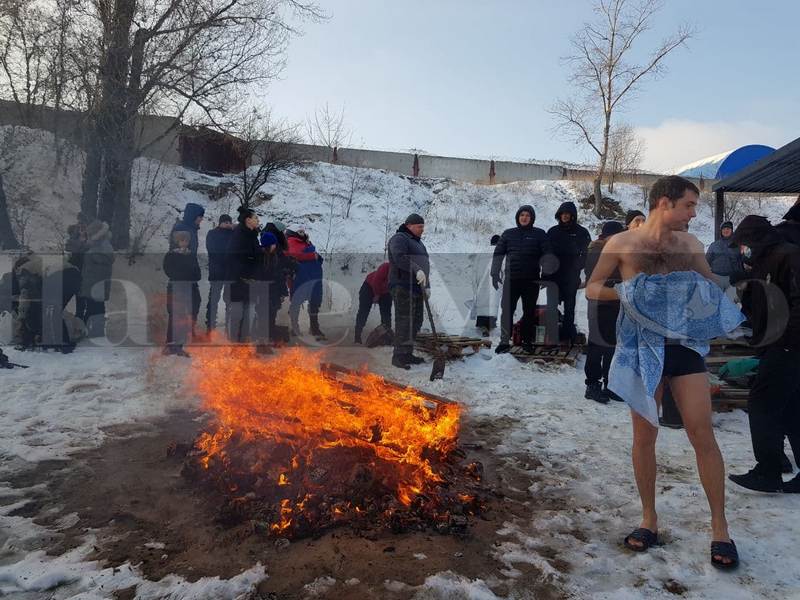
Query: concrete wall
167, 149
155, 137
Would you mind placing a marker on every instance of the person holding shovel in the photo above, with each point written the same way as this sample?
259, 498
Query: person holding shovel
409, 270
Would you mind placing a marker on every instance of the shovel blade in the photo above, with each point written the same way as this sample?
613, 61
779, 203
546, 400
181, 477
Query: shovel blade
437, 372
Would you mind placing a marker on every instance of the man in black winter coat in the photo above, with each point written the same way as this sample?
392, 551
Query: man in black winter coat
522, 247
771, 302
569, 242
190, 223
217, 241
789, 228
244, 254
408, 281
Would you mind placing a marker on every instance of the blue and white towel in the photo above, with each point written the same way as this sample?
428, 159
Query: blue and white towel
683, 306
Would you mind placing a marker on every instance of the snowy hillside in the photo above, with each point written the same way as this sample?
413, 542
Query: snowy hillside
461, 217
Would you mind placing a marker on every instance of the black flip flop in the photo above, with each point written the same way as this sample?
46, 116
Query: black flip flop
643, 535
724, 550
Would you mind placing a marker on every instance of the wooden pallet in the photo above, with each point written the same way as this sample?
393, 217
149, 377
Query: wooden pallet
454, 344
352, 379
557, 354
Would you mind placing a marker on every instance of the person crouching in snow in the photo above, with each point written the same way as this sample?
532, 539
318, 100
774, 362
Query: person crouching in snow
181, 267
374, 290
307, 285
602, 324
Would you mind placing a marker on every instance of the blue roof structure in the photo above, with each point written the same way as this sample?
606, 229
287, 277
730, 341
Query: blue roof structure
726, 164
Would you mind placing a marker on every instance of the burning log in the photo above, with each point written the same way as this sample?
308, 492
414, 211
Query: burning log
298, 450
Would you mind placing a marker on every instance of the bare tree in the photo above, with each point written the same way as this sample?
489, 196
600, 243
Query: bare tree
606, 73
265, 146
625, 152
328, 128
8, 238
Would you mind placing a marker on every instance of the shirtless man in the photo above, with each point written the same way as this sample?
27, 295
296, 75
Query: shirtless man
662, 245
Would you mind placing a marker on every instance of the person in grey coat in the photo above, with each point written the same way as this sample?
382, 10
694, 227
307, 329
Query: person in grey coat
724, 260
96, 277
409, 270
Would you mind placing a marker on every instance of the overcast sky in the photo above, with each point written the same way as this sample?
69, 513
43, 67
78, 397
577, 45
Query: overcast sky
475, 78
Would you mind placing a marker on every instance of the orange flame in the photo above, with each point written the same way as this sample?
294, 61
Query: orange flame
286, 399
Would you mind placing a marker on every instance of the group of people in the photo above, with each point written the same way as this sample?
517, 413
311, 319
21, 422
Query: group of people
252, 269
38, 288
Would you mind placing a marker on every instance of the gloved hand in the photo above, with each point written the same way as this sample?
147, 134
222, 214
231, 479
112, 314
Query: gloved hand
422, 280
496, 281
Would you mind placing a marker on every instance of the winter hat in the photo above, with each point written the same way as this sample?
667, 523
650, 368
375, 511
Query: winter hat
279, 225
728, 224
245, 213
494, 240
268, 239
96, 230
528, 209
225, 219
631, 215
414, 219
610, 228
793, 214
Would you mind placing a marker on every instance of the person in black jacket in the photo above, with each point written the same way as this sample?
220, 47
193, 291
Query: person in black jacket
243, 256
190, 223
267, 298
789, 228
771, 302
602, 323
217, 241
409, 272
183, 271
569, 242
522, 247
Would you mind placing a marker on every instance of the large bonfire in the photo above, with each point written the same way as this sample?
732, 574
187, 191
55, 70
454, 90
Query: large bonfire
297, 451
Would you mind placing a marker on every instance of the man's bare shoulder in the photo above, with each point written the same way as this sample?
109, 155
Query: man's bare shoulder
688, 240
620, 242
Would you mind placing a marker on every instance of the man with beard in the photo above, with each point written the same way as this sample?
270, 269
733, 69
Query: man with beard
408, 281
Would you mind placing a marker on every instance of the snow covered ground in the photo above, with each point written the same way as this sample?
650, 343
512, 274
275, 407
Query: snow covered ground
64, 404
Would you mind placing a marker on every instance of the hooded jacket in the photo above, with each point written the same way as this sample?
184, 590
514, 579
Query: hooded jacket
522, 247
569, 243
725, 260
187, 223
773, 309
309, 263
217, 242
790, 227
378, 281
407, 255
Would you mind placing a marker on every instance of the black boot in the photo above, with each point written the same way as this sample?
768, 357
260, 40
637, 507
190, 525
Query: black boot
401, 361
786, 465
357, 338
611, 395
502, 348
594, 391
757, 481
792, 486
314, 329
415, 360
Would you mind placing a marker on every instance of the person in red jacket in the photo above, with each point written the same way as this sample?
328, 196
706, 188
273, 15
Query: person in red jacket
374, 290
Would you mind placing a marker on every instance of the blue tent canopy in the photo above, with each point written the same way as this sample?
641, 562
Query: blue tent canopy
726, 164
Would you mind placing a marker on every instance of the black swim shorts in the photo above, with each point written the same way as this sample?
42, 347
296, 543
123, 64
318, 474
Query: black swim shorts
680, 360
